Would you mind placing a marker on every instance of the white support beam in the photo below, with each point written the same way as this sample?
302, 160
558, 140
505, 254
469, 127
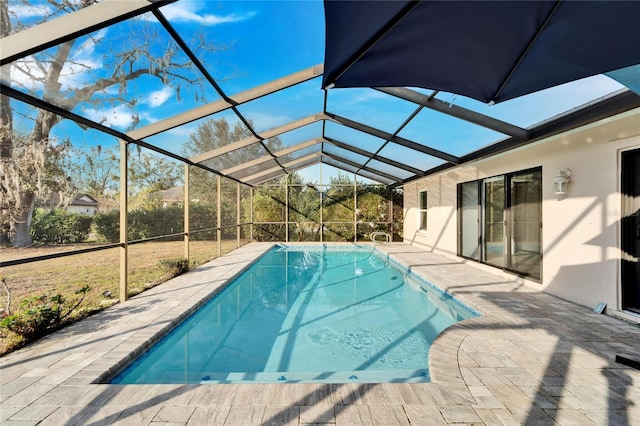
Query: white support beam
124, 222
311, 160
219, 214
252, 139
185, 202
371, 156
238, 216
224, 149
278, 154
278, 172
290, 165
221, 105
264, 179
246, 165
395, 139
340, 159
263, 173
298, 147
70, 26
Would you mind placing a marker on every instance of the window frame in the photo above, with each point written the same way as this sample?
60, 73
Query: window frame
423, 210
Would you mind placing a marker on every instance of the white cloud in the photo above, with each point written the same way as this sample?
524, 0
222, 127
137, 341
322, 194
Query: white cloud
26, 74
262, 121
184, 130
89, 45
159, 97
23, 11
590, 87
75, 71
369, 96
356, 96
120, 117
186, 11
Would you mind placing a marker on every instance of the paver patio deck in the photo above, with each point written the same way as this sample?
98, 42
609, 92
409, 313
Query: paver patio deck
530, 359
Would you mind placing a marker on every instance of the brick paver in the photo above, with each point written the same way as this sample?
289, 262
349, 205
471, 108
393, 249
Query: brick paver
530, 359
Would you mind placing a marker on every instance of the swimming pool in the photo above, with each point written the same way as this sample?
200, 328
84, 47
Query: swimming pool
307, 314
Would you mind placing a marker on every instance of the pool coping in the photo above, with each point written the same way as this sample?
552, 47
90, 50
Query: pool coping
53, 380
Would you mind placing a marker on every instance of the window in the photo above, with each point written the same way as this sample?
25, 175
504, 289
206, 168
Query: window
500, 221
422, 206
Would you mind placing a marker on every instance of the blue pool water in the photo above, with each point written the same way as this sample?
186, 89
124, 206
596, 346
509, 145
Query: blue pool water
307, 314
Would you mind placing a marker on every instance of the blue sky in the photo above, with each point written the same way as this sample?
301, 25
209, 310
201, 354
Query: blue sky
265, 40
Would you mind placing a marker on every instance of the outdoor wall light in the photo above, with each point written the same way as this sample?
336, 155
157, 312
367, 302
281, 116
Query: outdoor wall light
561, 181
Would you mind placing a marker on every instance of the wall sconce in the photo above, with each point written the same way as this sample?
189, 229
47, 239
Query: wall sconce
561, 181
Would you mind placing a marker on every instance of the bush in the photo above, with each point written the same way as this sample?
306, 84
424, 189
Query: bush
58, 226
202, 216
156, 222
108, 226
40, 315
142, 223
173, 267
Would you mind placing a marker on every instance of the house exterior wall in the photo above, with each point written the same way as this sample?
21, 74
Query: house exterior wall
86, 210
580, 232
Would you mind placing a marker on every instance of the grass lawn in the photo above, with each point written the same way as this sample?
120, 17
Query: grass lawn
99, 270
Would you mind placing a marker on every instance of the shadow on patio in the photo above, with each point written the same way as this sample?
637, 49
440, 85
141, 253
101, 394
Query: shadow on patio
530, 359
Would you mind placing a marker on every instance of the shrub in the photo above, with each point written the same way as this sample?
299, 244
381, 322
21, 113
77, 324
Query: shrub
58, 226
155, 222
108, 226
142, 223
174, 267
202, 216
42, 314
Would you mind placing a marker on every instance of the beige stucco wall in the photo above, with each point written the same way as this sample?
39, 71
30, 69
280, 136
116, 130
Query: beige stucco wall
580, 236
90, 211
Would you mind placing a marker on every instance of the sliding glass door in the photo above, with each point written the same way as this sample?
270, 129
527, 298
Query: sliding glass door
630, 241
500, 220
525, 225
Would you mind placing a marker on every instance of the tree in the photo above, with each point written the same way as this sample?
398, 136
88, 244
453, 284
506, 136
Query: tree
152, 173
338, 200
270, 205
212, 134
61, 75
95, 172
35, 169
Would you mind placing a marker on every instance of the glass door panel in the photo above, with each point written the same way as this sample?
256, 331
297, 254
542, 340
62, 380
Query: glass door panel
469, 220
525, 223
630, 243
494, 208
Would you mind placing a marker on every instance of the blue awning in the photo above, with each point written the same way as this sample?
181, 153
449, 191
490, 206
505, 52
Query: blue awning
487, 50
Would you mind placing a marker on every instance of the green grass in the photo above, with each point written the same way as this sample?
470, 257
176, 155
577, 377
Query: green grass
99, 270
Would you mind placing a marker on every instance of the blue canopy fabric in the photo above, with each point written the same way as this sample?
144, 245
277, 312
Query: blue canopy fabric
629, 77
491, 51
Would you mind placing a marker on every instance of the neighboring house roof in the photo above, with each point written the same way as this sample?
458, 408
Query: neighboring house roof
84, 200
172, 194
81, 200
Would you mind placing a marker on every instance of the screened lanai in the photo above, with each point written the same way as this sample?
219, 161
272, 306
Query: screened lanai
130, 101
